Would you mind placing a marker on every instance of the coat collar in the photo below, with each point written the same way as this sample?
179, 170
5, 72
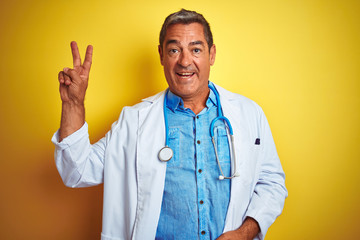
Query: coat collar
155, 97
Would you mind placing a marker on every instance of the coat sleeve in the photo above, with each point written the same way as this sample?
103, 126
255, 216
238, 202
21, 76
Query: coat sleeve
269, 194
79, 163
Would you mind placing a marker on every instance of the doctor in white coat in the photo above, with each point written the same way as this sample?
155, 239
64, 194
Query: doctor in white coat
126, 159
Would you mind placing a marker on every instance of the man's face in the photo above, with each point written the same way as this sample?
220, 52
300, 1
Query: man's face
186, 59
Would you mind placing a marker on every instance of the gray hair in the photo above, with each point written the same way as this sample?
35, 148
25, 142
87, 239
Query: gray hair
186, 17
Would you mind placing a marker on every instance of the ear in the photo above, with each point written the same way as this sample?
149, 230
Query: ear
212, 54
161, 54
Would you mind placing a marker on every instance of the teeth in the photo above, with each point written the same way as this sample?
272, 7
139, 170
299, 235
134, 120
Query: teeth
185, 74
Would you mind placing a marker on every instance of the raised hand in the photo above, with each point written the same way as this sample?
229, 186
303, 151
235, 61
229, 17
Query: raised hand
74, 82
73, 85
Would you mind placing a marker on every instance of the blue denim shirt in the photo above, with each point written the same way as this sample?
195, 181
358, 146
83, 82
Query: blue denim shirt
195, 201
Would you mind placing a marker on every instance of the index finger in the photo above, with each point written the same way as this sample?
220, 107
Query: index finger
88, 57
75, 54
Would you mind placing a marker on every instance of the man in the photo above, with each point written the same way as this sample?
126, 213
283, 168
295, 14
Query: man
184, 198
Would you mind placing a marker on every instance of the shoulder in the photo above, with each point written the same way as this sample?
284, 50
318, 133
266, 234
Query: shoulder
237, 100
132, 112
146, 103
129, 116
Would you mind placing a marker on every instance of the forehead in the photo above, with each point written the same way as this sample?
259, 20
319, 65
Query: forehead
185, 33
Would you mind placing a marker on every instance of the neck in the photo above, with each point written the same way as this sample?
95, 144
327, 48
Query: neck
198, 103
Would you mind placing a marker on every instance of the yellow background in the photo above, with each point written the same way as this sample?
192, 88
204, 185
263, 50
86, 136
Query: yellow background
298, 59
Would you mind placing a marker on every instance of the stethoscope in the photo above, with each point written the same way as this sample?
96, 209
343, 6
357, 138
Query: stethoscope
166, 153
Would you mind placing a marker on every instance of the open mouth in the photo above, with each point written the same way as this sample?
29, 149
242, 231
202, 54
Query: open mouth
185, 74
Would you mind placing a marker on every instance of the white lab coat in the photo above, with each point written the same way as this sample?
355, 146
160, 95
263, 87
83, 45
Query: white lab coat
126, 161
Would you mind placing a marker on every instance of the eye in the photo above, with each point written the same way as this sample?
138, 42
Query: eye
173, 51
197, 50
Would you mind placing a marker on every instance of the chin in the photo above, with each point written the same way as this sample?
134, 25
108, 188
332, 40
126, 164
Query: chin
183, 92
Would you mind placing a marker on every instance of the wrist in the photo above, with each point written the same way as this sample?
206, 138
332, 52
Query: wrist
72, 118
249, 229
73, 104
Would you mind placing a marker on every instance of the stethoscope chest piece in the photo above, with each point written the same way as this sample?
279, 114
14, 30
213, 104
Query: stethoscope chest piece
165, 154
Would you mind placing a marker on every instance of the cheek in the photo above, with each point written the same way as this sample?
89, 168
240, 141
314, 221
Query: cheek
169, 67
201, 61
168, 72
203, 65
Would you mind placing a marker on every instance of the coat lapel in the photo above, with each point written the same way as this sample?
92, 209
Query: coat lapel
150, 170
233, 113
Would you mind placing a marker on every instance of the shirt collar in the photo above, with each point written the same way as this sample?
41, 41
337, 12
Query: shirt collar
174, 102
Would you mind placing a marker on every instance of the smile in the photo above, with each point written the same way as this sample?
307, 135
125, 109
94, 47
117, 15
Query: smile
185, 74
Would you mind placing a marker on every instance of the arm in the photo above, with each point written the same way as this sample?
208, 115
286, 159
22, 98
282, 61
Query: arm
79, 163
269, 195
268, 186
73, 85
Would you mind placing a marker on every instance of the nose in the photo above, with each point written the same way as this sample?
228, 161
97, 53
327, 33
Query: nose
184, 59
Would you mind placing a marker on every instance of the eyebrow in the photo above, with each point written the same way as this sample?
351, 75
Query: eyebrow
191, 43
197, 43
171, 41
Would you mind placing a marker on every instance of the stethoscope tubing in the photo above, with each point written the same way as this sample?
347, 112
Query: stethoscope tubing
165, 150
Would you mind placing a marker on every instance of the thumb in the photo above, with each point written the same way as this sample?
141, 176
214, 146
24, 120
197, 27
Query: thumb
73, 74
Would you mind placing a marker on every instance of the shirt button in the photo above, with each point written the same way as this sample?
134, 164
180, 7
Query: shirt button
201, 202
200, 171
203, 232
198, 141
